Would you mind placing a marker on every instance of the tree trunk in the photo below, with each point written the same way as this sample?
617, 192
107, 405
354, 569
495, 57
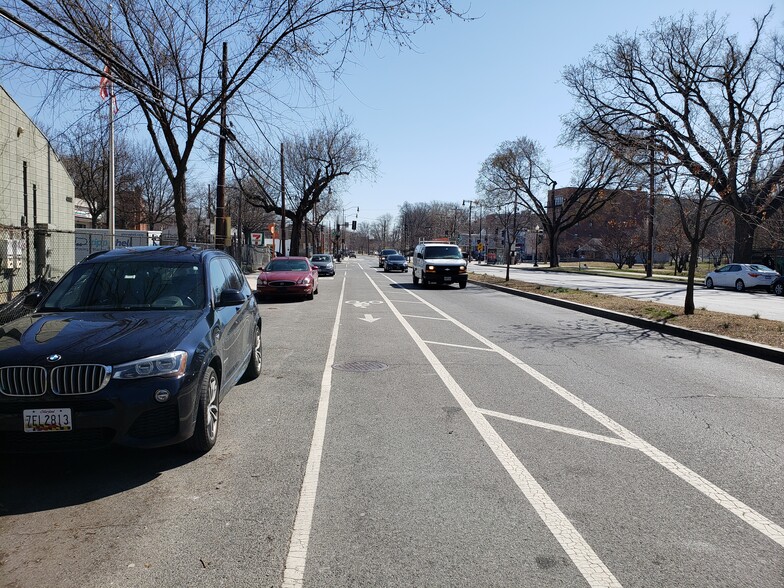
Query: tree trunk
553, 240
688, 303
180, 208
744, 238
296, 229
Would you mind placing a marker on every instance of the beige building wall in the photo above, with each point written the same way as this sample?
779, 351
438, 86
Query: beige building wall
21, 142
31, 171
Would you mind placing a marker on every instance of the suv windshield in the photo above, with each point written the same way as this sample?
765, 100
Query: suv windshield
443, 252
121, 285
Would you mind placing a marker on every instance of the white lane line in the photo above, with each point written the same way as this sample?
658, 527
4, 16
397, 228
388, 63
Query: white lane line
723, 498
582, 555
461, 346
430, 318
294, 572
406, 301
557, 428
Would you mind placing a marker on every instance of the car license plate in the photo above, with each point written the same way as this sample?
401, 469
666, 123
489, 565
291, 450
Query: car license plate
45, 420
447, 279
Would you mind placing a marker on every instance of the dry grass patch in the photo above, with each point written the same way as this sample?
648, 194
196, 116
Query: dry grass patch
748, 328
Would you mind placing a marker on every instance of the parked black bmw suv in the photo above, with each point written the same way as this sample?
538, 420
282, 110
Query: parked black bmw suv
133, 346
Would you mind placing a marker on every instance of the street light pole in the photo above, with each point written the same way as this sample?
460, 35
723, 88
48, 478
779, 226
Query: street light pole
651, 208
651, 201
470, 248
536, 246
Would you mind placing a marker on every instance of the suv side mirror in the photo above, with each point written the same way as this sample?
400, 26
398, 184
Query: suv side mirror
230, 297
31, 300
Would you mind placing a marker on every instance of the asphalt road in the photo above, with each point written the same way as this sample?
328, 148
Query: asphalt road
746, 303
409, 436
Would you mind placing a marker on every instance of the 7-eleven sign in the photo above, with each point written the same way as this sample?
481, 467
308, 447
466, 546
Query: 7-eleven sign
257, 239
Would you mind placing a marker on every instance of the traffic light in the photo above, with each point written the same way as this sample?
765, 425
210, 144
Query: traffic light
353, 225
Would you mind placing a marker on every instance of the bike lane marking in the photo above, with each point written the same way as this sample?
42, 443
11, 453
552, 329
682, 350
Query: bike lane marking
721, 497
294, 572
574, 545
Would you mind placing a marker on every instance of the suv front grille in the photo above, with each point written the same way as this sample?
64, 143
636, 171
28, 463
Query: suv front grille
27, 381
23, 380
79, 379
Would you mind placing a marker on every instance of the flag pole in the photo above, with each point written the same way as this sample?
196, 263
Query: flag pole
111, 143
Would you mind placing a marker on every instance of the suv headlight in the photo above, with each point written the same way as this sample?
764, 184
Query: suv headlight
431, 268
462, 269
166, 365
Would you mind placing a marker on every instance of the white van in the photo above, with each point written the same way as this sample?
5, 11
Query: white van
439, 262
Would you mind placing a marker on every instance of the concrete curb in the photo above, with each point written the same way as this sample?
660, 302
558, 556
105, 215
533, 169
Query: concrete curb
765, 352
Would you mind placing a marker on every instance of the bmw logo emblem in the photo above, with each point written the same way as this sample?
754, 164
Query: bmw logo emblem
54, 357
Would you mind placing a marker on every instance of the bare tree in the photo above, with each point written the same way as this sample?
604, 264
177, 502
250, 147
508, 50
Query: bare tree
84, 152
154, 189
518, 169
311, 164
695, 94
167, 54
696, 206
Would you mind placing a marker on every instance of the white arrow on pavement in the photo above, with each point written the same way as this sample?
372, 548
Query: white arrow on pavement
369, 318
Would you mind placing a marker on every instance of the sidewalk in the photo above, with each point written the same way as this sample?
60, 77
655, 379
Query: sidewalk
528, 266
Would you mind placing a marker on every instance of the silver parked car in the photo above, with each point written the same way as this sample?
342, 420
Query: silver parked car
324, 263
741, 276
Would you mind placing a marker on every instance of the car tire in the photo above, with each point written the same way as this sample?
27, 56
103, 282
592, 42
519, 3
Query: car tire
253, 370
414, 278
709, 283
208, 414
740, 286
463, 284
309, 296
778, 289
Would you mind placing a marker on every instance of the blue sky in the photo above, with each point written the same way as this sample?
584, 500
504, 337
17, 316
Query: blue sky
436, 113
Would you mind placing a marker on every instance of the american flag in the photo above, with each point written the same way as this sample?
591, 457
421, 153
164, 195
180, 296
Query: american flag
104, 88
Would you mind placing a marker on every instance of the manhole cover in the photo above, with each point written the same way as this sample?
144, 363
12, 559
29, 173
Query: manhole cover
360, 366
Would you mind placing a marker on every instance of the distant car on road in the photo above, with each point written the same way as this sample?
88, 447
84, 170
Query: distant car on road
383, 256
133, 346
324, 263
741, 276
352, 253
288, 276
395, 263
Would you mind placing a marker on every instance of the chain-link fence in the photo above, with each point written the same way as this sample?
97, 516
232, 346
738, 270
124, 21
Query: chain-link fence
34, 258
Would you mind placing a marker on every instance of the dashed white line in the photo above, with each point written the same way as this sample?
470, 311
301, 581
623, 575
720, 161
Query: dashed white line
460, 346
558, 428
574, 545
754, 518
294, 572
430, 318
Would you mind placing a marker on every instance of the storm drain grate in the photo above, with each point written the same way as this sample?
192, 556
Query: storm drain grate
360, 366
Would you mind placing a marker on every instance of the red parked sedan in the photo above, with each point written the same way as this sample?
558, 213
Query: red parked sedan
288, 276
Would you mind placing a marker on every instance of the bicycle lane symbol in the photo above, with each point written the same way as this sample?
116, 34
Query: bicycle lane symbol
363, 303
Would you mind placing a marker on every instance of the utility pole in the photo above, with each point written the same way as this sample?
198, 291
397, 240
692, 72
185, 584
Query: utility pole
553, 253
470, 248
651, 207
220, 193
282, 204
